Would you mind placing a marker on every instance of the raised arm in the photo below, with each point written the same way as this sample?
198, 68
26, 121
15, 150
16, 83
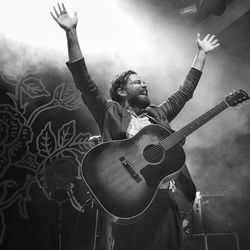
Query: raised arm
173, 105
91, 94
68, 24
205, 45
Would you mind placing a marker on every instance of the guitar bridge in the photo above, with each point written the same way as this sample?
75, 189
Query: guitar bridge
130, 169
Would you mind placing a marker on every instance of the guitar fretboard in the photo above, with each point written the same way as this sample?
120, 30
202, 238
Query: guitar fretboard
176, 137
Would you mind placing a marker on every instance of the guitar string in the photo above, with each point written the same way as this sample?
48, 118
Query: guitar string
150, 153
166, 144
155, 149
209, 114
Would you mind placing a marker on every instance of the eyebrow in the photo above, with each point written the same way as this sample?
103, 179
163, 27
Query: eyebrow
137, 81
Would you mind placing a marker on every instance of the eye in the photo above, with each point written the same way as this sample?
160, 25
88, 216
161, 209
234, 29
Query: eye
137, 82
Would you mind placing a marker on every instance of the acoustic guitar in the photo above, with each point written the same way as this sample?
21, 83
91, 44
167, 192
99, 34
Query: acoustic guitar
123, 176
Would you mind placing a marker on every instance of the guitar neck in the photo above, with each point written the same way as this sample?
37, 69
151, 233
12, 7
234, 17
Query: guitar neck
176, 137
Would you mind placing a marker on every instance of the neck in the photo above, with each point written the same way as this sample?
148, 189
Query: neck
136, 110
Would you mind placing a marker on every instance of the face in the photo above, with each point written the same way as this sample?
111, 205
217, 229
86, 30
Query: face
136, 92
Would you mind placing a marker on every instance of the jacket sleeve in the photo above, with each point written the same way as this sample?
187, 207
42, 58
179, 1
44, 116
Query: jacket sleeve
173, 105
91, 94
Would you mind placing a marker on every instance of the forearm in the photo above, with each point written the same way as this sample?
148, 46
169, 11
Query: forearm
173, 105
74, 50
199, 60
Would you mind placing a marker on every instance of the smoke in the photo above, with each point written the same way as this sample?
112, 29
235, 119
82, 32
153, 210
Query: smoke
218, 153
160, 47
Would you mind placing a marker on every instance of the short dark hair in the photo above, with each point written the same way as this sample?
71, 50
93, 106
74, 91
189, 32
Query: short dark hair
117, 82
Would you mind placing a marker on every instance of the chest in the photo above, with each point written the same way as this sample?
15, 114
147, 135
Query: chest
118, 122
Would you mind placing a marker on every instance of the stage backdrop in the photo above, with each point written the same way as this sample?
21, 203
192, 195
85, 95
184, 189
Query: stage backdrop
44, 135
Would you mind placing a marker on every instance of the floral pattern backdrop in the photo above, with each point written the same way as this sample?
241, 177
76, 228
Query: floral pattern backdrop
42, 145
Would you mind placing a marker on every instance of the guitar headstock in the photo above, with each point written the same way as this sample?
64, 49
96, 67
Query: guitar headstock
236, 98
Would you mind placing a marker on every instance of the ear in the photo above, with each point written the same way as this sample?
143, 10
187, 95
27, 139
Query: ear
122, 92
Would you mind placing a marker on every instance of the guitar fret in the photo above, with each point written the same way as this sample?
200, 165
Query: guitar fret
176, 137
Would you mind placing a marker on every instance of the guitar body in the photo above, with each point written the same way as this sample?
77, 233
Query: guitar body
123, 176
123, 195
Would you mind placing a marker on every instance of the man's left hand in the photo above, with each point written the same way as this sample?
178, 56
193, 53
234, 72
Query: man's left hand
208, 43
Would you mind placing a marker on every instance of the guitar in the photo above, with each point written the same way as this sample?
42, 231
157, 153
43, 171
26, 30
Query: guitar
123, 176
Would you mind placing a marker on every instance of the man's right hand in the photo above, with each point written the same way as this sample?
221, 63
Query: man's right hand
63, 19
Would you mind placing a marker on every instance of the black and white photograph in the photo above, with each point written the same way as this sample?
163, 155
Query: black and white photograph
125, 125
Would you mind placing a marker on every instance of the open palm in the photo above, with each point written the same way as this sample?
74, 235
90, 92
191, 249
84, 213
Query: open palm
208, 43
63, 19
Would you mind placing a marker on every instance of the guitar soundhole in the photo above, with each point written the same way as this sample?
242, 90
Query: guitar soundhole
153, 153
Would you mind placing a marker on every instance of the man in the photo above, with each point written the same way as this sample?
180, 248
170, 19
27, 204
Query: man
122, 117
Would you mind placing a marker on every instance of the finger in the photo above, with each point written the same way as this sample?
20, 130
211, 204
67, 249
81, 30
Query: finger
211, 38
64, 9
216, 45
198, 36
60, 9
55, 11
53, 16
214, 41
75, 14
206, 37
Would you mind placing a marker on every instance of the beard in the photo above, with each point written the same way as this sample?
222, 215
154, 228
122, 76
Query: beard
141, 101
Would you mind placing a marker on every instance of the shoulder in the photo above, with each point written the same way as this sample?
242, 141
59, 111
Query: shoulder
113, 105
154, 108
157, 112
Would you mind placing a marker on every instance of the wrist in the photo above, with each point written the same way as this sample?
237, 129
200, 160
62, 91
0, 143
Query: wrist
202, 52
71, 30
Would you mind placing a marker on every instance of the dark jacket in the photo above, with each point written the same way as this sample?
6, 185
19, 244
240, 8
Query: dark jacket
113, 120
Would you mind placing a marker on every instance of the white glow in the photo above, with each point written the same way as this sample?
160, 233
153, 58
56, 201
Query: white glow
103, 27
159, 49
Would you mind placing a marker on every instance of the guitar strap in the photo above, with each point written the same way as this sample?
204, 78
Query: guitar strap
153, 120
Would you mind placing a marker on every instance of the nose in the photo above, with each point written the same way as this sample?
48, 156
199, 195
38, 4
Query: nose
143, 87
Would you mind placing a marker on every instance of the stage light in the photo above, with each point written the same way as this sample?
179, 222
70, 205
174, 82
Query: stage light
214, 7
189, 10
201, 9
